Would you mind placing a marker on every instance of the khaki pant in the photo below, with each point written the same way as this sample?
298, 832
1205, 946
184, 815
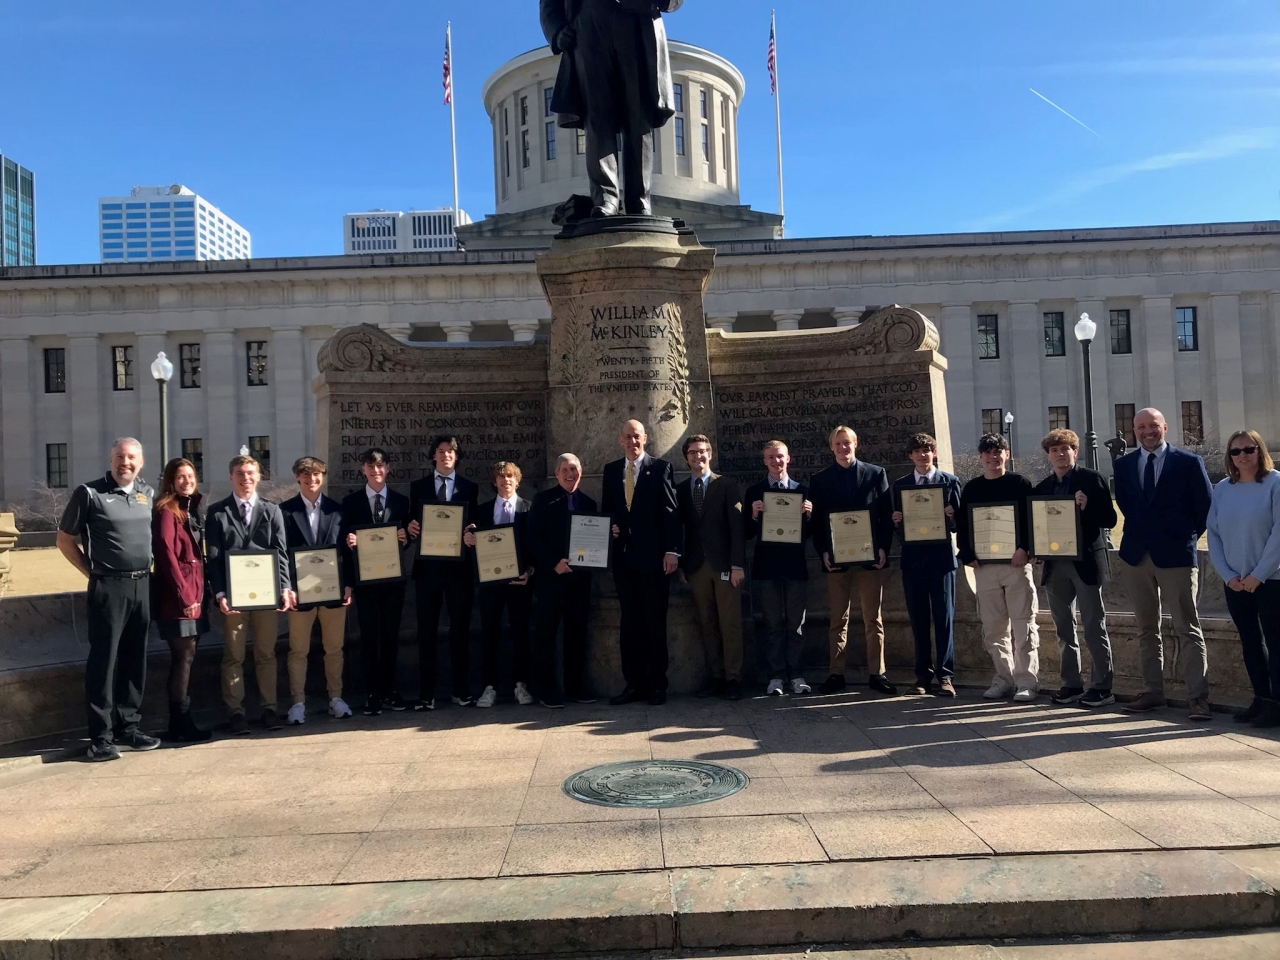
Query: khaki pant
266, 627
1007, 606
333, 625
719, 607
1149, 587
840, 591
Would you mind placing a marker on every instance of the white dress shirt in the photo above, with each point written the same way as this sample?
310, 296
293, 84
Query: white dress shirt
313, 516
437, 476
499, 517
923, 478
784, 482
370, 493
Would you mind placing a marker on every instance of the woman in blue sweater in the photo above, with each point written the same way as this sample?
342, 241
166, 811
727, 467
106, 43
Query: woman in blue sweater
1244, 544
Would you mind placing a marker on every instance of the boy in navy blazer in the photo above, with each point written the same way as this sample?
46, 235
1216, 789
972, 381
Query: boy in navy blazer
929, 574
1164, 494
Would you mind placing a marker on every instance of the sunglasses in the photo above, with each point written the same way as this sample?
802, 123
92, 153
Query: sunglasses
1243, 451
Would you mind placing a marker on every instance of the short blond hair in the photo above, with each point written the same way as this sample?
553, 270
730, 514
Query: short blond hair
775, 445
505, 468
244, 460
853, 434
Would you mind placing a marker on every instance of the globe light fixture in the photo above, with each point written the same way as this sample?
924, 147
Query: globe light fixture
162, 370
1086, 329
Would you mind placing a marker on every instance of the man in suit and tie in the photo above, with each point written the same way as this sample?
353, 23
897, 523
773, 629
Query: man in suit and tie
1164, 494
639, 493
929, 573
564, 592
507, 509
783, 575
714, 564
379, 605
312, 520
440, 582
244, 521
851, 484
1072, 583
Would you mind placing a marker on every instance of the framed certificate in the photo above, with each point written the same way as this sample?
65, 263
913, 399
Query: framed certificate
253, 580
441, 533
852, 537
1055, 528
590, 540
497, 556
783, 517
994, 529
317, 575
924, 517
377, 553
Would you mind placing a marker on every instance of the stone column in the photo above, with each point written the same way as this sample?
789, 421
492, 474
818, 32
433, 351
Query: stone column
145, 351
1271, 317
22, 462
523, 331
1026, 350
962, 400
223, 379
723, 324
457, 331
848, 316
787, 319
1104, 414
1158, 346
88, 454
1227, 409
289, 439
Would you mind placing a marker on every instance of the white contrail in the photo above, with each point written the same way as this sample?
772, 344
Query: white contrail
1064, 113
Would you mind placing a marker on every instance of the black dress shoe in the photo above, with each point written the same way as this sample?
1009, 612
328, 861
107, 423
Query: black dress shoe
657, 698
239, 725
880, 683
733, 690
271, 720
1249, 712
1269, 716
629, 694
834, 683
712, 688
396, 702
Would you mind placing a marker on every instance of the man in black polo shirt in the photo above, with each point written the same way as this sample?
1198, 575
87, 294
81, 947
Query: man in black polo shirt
105, 533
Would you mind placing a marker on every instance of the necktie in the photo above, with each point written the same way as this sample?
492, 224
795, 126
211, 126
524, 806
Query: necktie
244, 513
699, 493
629, 488
506, 511
1149, 477
377, 508
442, 490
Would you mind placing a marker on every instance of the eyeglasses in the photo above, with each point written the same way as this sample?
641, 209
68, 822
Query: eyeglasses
1243, 451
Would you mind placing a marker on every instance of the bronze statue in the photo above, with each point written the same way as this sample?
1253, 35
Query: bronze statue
614, 82
1117, 446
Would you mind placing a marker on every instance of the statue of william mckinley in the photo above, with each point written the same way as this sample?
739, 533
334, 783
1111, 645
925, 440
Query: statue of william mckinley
614, 82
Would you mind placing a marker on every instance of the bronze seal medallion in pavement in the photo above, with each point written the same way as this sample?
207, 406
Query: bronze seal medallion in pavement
654, 783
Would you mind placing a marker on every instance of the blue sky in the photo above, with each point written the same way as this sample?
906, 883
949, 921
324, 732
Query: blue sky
897, 117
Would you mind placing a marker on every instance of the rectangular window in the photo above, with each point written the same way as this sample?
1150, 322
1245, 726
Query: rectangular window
679, 136
993, 420
1121, 334
1055, 343
189, 359
122, 368
193, 450
988, 336
547, 96
551, 139
1192, 424
524, 149
1187, 339
724, 133
580, 142
706, 143
55, 370
260, 450
524, 111
1124, 423
506, 122
1059, 418
702, 103
256, 355
678, 89
55, 464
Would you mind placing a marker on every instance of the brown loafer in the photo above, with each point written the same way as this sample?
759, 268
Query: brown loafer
1198, 709
1146, 701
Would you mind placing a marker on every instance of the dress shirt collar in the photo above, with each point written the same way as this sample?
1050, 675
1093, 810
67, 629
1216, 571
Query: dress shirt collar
1158, 453
437, 476
251, 502
638, 464
782, 483
930, 477
312, 507
370, 493
704, 478
498, 507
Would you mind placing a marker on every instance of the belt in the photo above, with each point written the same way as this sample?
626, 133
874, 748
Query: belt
120, 574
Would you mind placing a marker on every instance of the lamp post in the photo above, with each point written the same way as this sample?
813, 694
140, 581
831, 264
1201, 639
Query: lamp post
162, 370
1085, 331
1008, 430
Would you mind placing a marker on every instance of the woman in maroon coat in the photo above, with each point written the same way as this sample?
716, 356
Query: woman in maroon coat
177, 587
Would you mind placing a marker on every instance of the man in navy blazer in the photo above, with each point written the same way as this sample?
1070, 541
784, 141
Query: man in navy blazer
929, 573
312, 520
440, 583
639, 492
1164, 494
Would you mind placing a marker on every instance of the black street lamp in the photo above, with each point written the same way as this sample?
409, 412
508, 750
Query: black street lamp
162, 370
1085, 331
1008, 432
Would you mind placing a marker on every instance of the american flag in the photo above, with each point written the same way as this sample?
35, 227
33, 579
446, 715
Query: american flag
773, 60
448, 70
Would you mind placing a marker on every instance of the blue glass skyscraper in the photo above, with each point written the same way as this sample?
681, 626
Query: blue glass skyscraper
17, 215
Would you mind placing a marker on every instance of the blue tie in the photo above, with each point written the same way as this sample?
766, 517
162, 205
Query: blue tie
1149, 477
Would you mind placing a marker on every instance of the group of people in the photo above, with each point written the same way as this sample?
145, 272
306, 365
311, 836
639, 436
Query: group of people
162, 557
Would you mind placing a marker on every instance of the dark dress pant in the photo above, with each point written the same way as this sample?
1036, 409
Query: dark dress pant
930, 597
379, 608
562, 598
1257, 617
642, 599
116, 672
517, 601
451, 591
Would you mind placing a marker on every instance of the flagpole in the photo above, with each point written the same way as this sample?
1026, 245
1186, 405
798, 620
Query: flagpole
777, 112
453, 125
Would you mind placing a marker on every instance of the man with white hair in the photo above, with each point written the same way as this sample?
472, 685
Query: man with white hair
105, 533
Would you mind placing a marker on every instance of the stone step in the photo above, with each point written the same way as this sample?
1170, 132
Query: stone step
704, 908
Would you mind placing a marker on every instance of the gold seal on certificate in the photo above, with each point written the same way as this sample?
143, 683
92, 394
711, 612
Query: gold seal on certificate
924, 517
783, 517
496, 555
377, 553
995, 531
441, 533
852, 539
253, 580
589, 539
316, 575
1055, 528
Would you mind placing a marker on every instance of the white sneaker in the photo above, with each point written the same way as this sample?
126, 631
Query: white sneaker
298, 714
1026, 694
998, 690
487, 698
338, 708
774, 689
799, 686
523, 696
